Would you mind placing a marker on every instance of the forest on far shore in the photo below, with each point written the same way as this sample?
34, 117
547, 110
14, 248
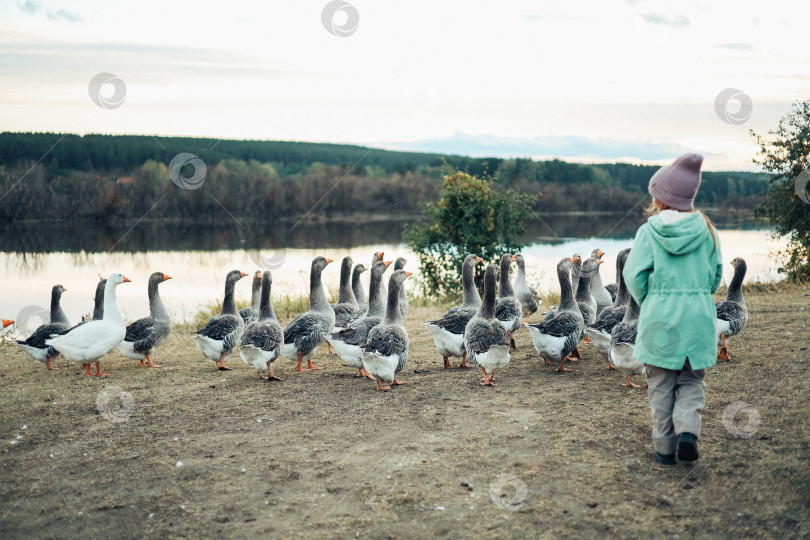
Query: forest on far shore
51, 176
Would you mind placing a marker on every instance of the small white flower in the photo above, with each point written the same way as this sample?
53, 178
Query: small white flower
179, 464
25, 426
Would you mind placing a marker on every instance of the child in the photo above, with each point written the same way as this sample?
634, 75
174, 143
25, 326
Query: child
672, 271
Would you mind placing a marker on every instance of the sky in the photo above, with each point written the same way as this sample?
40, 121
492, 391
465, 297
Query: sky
640, 81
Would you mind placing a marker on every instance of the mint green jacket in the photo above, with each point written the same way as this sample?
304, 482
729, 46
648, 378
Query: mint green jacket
672, 271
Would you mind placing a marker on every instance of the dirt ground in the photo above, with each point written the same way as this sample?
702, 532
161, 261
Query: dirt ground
201, 453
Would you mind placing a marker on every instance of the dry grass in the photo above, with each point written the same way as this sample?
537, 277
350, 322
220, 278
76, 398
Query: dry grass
332, 457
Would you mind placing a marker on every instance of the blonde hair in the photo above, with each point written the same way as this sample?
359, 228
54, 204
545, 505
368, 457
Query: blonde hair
656, 207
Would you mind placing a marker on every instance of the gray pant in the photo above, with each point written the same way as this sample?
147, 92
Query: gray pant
676, 399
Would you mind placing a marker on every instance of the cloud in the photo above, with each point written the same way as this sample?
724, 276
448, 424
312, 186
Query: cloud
546, 146
736, 46
677, 21
34, 7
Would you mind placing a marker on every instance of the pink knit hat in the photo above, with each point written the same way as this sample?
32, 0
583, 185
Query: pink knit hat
676, 185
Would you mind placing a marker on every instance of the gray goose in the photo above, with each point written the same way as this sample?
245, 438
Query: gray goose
485, 338
623, 343
263, 338
732, 315
385, 351
599, 330
35, 345
584, 298
347, 343
507, 308
557, 336
221, 334
448, 332
399, 264
598, 290
251, 312
148, 333
357, 287
346, 307
526, 294
303, 335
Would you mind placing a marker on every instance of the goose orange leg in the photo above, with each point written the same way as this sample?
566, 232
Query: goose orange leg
447, 364
48, 362
383, 388
562, 364
722, 354
87, 370
575, 357
464, 363
270, 375
610, 366
98, 371
221, 364
396, 382
298, 366
511, 341
149, 362
629, 384
311, 366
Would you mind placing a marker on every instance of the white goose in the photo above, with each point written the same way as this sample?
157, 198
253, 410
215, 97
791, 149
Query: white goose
623, 343
89, 342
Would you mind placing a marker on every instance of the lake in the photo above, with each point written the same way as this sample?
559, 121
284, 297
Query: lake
35, 256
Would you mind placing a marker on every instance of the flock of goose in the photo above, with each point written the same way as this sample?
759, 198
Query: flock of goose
369, 335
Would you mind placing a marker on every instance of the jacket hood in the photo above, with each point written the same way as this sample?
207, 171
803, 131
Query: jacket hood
681, 236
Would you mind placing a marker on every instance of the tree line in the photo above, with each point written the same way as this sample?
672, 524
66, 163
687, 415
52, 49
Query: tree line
51, 176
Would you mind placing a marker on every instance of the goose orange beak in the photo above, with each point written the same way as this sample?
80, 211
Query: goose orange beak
600, 252
480, 259
575, 258
514, 257
387, 263
127, 280
329, 260
166, 276
408, 274
380, 254
243, 274
7, 322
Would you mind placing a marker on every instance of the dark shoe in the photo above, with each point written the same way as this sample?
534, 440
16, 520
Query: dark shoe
687, 447
665, 459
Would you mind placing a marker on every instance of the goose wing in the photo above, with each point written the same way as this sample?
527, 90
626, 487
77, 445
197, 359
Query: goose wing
265, 336
455, 320
306, 331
